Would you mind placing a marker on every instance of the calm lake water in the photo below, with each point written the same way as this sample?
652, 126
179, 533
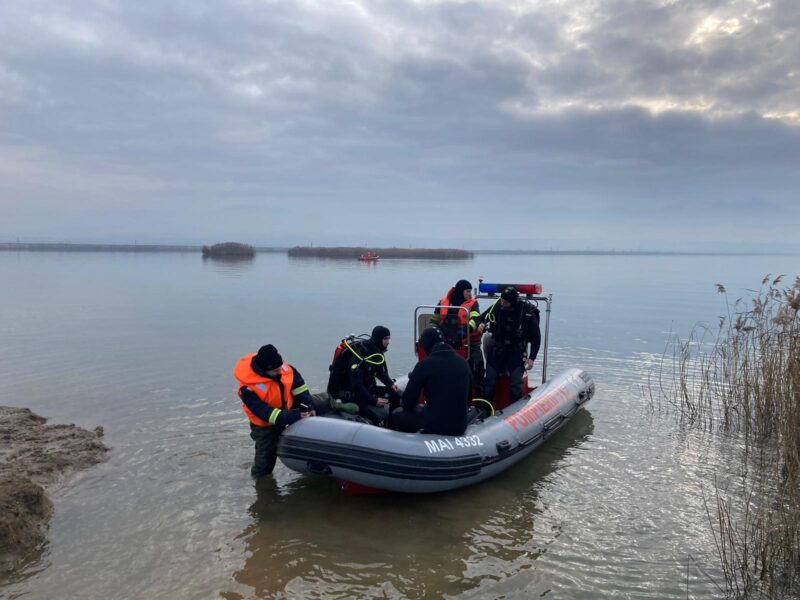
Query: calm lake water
144, 345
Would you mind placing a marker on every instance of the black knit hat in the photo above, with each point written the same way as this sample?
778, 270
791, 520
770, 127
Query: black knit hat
429, 338
378, 333
268, 358
510, 294
458, 291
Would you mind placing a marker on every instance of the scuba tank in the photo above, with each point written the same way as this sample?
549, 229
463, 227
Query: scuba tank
338, 374
348, 341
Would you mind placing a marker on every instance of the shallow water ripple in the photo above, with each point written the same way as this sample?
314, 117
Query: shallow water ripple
612, 505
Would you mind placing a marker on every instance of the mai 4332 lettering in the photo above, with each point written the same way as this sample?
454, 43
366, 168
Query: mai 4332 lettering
468, 440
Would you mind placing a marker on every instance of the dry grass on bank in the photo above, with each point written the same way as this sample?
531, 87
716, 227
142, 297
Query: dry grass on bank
745, 378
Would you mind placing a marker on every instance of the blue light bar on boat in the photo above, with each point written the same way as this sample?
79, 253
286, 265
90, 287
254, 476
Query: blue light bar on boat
528, 289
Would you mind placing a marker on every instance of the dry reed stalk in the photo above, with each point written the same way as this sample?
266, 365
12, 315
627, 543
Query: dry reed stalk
748, 380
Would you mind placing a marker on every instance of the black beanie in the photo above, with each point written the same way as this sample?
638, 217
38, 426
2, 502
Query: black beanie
429, 338
510, 294
458, 291
378, 333
268, 358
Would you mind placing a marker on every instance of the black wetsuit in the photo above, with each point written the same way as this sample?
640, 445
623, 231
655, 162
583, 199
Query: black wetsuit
356, 381
512, 329
446, 380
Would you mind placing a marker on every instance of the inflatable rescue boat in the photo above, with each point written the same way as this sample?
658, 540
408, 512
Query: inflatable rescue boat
355, 452
419, 463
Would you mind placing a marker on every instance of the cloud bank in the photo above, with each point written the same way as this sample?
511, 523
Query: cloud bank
588, 124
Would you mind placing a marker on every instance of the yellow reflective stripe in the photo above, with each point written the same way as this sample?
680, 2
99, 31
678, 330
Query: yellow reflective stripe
474, 314
299, 390
274, 415
472, 323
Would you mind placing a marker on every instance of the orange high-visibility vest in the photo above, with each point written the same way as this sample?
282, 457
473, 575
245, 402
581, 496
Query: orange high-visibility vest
464, 316
265, 388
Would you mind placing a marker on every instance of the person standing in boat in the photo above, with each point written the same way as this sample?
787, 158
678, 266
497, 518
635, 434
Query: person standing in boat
513, 323
354, 374
460, 327
446, 380
273, 396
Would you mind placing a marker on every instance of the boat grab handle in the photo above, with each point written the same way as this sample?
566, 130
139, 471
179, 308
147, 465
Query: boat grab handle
554, 422
319, 468
503, 447
585, 395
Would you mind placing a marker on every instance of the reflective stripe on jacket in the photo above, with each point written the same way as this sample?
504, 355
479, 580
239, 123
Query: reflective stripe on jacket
268, 390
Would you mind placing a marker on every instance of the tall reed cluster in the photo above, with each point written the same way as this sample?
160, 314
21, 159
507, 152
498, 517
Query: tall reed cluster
744, 379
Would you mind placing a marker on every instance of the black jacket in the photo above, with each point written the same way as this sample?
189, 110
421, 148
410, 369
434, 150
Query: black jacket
513, 329
447, 381
357, 376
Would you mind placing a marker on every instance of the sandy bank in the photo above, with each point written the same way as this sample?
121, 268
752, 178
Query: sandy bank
33, 456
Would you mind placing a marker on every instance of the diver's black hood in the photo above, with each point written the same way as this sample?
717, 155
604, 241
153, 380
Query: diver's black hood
378, 333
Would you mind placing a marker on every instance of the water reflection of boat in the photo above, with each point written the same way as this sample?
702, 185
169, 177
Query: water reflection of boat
355, 452
283, 560
369, 257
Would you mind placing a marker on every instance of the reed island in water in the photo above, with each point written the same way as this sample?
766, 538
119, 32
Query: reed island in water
229, 250
352, 252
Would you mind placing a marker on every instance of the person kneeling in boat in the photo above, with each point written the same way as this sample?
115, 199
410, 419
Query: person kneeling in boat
446, 379
513, 324
273, 396
354, 373
459, 317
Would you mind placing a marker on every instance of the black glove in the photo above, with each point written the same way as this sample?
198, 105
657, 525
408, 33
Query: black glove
245, 393
292, 416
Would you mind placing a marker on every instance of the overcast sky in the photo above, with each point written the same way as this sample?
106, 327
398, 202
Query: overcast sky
567, 124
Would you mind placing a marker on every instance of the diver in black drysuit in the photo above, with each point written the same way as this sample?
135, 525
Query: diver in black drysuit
446, 379
514, 325
354, 379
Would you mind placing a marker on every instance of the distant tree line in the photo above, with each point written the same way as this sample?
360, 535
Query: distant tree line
353, 252
69, 247
229, 250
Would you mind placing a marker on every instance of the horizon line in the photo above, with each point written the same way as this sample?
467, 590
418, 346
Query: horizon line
136, 247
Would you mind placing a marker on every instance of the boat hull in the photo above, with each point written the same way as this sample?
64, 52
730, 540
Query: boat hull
424, 463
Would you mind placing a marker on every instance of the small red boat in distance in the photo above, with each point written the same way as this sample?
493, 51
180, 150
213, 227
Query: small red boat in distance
369, 256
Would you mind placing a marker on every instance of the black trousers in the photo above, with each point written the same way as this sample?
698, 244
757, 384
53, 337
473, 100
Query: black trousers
378, 415
409, 421
515, 373
266, 439
382, 391
476, 366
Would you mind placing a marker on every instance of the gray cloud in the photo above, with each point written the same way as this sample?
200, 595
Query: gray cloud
328, 119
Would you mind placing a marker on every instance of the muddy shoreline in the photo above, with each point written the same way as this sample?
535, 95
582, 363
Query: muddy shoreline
34, 457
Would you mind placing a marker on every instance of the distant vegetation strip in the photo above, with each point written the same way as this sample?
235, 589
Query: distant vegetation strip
350, 252
229, 250
627, 253
67, 247
353, 252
